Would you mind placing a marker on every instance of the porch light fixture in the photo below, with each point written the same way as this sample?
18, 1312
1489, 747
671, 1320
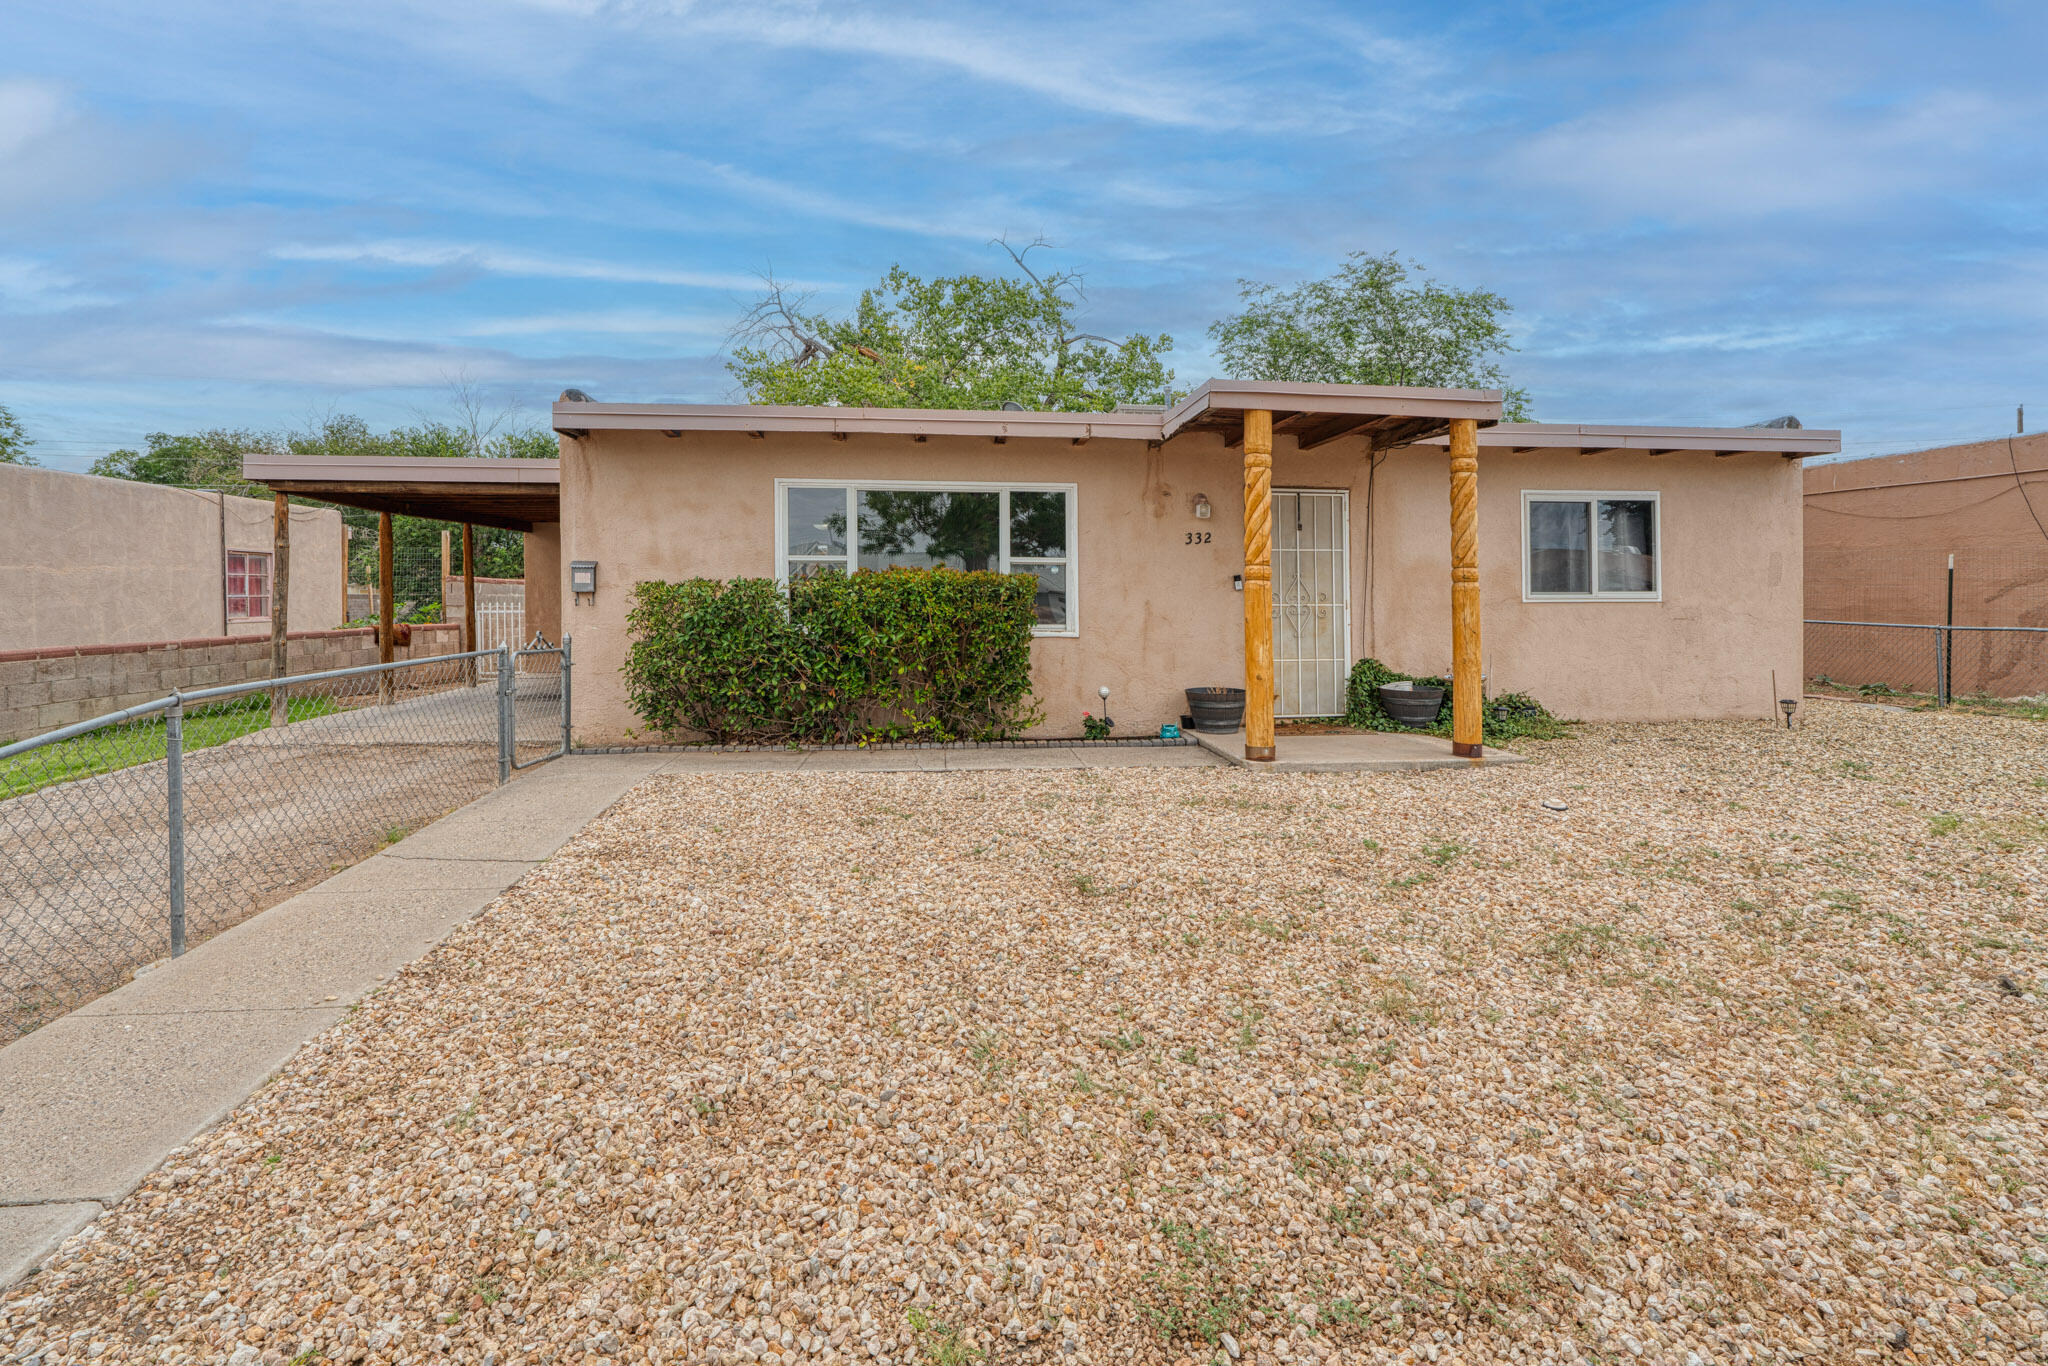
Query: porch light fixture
583, 578
1202, 508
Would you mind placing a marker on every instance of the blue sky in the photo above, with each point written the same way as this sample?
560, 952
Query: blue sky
252, 215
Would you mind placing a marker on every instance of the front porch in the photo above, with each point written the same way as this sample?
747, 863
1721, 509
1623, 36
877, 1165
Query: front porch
1358, 751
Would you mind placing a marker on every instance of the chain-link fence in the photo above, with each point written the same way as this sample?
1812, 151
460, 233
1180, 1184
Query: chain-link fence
1941, 663
134, 835
1928, 622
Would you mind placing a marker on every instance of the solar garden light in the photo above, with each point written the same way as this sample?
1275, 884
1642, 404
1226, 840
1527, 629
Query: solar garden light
1788, 705
1103, 693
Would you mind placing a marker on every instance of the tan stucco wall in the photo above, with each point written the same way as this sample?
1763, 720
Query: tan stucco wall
90, 561
1731, 585
1158, 615
544, 581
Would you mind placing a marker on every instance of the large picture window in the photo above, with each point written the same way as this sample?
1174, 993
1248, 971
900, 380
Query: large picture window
1021, 529
248, 584
1584, 546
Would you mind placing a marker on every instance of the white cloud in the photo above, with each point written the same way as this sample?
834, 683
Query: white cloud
616, 323
55, 154
428, 255
1766, 145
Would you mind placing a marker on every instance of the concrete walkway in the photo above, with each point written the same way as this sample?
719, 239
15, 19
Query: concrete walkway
1363, 751
92, 1102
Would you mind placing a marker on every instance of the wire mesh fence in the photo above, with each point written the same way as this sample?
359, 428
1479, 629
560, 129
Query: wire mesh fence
1935, 662
1928, 622
130, 837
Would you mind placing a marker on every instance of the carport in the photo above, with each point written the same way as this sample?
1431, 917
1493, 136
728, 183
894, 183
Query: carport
515, 495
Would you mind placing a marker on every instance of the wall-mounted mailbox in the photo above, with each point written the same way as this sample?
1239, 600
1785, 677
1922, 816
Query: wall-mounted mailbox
583, 577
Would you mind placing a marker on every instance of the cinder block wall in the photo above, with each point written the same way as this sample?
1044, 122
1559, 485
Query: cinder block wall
41, 690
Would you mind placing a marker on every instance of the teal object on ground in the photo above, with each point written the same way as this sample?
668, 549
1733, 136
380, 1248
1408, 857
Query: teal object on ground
1169, 731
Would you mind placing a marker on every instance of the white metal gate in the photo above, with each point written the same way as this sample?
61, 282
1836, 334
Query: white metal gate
1311, 600
499, 624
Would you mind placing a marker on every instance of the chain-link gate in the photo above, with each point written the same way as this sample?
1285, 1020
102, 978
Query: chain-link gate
533, 702
130, 836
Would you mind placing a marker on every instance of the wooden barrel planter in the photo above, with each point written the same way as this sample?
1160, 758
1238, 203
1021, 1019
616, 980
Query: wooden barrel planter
1217, 711
1411, 705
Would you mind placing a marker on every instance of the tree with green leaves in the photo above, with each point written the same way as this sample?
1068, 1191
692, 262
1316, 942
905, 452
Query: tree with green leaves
1374, 320
14, 440
962, 341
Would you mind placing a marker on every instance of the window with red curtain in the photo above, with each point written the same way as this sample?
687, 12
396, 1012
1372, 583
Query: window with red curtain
248, 584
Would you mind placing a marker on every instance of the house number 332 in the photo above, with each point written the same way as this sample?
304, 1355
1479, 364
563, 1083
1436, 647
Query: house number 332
1198, 538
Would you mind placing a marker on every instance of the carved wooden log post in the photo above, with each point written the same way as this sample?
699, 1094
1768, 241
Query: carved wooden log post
280, 595
1258, 585
387, 635
1467, 700
468, 600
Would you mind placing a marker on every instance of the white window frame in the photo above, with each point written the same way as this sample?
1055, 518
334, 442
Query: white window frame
1593, 496
855, 487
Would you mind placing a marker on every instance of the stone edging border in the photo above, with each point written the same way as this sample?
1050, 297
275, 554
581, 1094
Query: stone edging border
1135, 742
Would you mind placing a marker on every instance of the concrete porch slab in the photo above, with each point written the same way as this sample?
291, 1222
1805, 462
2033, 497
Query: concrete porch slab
1368, 751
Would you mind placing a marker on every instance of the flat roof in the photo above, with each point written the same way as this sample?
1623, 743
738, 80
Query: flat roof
1791, 442
516, 495
1314, 413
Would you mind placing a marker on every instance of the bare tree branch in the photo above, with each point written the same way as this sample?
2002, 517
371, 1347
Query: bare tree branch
776, 320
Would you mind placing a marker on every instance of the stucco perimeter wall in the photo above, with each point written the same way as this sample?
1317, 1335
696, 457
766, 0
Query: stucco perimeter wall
1731, 609
91, 561
41, 690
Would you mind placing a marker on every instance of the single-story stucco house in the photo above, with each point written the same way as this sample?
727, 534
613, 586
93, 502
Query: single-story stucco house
1624, 573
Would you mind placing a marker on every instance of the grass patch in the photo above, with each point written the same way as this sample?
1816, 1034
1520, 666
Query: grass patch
1197, 1293
112, 748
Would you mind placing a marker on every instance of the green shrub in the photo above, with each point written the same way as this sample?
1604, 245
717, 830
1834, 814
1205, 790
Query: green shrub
1510, 716
929, 654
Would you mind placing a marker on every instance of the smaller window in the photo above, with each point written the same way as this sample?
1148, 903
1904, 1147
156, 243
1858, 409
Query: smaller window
1590, 545
248, 584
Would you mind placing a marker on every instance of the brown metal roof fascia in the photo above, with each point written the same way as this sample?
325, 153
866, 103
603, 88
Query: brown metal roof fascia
638, 417
515, 494
1670, 440
411, 469
1374, 400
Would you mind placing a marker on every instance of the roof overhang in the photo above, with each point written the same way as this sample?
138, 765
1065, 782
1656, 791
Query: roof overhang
1522, 437
674, 419
1313, 413
1384, 415
516, 495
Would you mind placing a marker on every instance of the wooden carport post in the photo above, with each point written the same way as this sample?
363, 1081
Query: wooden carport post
387, 638
280, 595
469, 601
1258, 584
1467, 696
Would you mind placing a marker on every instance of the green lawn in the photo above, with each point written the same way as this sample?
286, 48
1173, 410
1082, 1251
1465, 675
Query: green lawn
140, 742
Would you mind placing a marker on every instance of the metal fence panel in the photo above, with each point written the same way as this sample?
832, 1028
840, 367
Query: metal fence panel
1938, 662
125, 838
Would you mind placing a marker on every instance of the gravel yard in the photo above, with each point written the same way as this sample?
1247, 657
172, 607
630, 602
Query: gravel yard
1738, 1057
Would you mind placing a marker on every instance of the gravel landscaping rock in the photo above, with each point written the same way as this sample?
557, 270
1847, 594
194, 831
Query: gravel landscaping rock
1166, 1066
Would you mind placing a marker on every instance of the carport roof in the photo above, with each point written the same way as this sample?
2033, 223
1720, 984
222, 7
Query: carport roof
513, 494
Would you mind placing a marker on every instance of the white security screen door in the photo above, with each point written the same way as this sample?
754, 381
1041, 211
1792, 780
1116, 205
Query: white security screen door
1311, 601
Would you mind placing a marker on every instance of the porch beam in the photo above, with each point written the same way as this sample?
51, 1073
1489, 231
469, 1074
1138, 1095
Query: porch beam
1467, 700
1258, 584
1323, 434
